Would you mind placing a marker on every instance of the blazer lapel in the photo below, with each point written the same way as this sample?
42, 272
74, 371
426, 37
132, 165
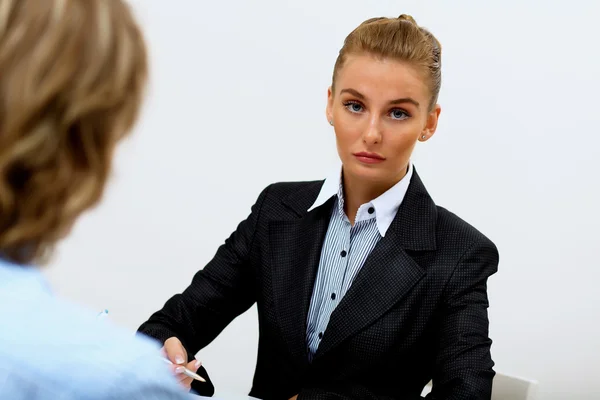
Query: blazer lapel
389, 272
295, 247
387, 275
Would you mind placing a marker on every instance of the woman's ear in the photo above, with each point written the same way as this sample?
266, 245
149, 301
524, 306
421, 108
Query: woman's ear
329, 108
431, 123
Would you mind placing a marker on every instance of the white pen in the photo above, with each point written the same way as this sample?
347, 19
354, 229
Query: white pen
186, 371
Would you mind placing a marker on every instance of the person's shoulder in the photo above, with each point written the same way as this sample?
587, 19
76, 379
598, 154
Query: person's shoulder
297, 194
284, 189
460, 234
55, 347
278, 199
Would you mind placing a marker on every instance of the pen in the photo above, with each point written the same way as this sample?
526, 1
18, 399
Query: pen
186, 371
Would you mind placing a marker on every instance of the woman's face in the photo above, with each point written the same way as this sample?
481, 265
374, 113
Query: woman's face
379, 110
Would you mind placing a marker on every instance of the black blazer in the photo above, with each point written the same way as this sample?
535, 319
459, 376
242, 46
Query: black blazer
416, 311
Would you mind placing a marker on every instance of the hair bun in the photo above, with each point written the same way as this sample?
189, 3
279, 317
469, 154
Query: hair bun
406, 17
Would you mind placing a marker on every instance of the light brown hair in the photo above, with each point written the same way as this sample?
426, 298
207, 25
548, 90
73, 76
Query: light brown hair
72, 77
400, 39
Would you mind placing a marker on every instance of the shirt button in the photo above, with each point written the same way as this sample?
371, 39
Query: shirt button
371, 210
320, 335
343, 253
332, 296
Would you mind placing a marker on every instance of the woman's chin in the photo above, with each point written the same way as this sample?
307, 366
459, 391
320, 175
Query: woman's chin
366, 172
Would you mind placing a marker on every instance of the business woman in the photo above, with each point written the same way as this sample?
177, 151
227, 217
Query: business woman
365, 288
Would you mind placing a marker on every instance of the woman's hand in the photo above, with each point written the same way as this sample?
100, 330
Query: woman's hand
174, 351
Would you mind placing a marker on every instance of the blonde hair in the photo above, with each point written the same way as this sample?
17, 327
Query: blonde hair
398, 38
72, 76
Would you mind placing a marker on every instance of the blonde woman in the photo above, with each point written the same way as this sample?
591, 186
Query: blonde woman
72, 74
366, 289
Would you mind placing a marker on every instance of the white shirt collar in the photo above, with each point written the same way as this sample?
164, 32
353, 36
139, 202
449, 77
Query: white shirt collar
386, 206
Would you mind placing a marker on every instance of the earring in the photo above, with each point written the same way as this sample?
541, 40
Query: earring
331, 122
423, 137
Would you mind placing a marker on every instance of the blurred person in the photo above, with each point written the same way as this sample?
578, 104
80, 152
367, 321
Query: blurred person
72, 78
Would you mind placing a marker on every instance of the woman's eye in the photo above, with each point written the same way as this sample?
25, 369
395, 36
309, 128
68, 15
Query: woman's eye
399, 114
353, 107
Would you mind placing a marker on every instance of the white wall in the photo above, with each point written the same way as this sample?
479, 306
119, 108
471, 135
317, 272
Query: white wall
237, 102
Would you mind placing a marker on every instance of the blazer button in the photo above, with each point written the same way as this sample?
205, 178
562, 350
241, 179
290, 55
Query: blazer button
371, 210
343, 253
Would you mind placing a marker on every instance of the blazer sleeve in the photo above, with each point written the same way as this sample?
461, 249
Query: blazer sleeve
217, 294
463, 367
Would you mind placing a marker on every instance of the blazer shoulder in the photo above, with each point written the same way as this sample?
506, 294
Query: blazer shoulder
452, 228
297, 196
280, 191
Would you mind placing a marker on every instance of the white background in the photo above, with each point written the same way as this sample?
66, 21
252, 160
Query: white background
237, 102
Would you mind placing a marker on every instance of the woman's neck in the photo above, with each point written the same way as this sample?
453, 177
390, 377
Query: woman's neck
358, 192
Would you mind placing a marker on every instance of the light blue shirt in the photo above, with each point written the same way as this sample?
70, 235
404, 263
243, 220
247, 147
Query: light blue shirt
346, 249
51, 349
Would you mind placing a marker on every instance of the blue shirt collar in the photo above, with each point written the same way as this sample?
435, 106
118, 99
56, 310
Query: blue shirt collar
11, 274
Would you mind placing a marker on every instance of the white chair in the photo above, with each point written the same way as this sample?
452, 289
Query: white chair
506, 387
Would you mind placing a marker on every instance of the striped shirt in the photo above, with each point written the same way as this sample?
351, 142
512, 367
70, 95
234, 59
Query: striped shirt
346, 248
